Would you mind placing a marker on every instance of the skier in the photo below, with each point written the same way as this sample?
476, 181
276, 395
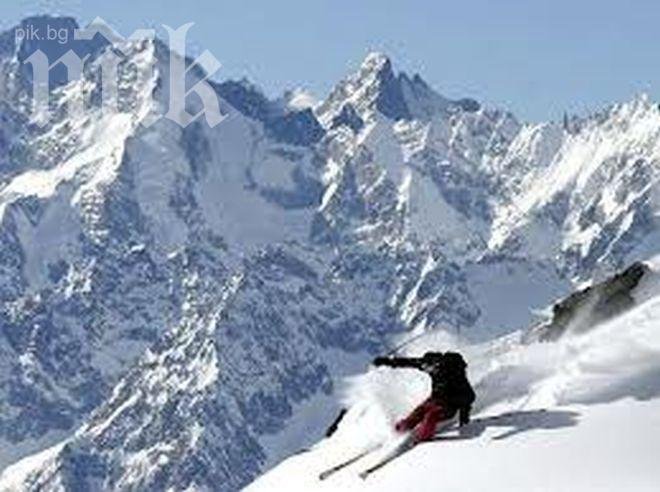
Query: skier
451, 392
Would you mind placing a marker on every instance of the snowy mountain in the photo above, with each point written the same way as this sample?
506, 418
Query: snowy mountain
576, 413
179, 306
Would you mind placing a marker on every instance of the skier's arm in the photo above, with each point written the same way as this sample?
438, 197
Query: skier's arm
411, 362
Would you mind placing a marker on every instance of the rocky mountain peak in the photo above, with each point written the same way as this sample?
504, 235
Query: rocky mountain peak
376, 63
372, 88
375, 88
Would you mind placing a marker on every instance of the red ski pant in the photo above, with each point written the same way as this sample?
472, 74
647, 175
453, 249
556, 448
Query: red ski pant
424, 419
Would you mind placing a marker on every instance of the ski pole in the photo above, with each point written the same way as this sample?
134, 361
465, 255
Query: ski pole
405, 343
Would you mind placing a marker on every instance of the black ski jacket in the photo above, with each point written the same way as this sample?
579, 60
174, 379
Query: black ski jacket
450, 387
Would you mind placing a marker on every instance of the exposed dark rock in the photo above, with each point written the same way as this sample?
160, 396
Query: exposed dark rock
348, 117
592, 305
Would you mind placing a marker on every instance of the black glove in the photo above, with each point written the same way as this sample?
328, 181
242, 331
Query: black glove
380, 361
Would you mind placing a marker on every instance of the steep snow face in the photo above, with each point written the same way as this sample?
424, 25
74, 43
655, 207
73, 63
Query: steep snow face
70, 222
521, 450
196, 410
426, 182
592, 393
262, 259
595, 202
96, 213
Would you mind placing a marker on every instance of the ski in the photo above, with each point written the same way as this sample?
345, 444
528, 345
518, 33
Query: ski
406, 445
340, 466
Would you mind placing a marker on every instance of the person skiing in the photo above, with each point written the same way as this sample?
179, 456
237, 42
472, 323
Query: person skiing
451, 392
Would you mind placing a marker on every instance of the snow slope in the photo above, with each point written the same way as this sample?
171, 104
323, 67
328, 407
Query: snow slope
580, 413
586, 448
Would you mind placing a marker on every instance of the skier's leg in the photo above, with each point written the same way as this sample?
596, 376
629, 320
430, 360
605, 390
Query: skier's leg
433, 416
415, 417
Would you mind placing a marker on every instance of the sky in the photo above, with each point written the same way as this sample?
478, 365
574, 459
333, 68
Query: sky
535, 58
